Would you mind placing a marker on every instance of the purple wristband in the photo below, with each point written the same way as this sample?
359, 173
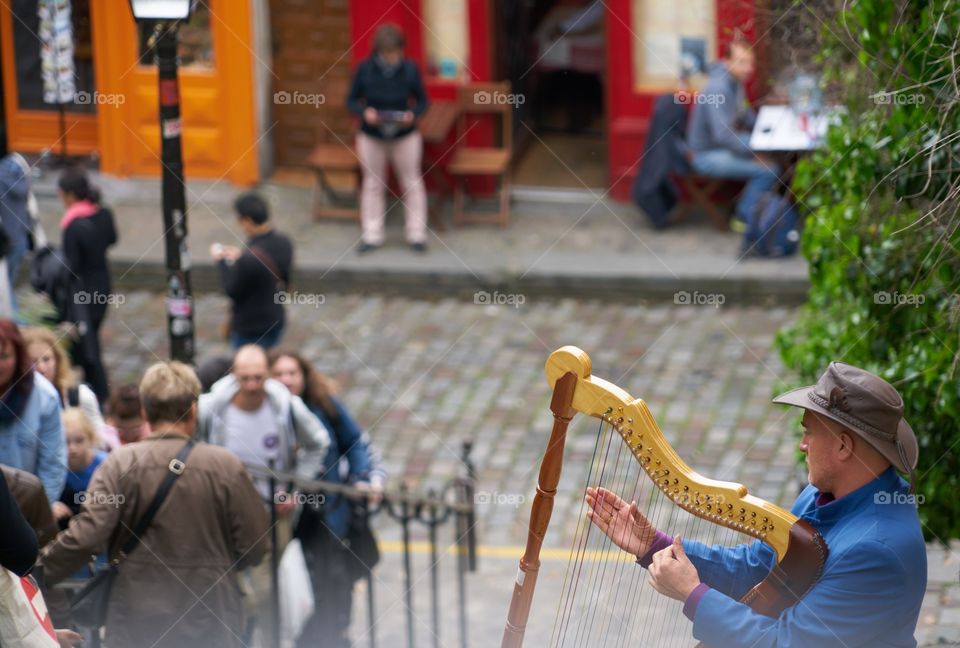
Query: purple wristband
690, 607
662, 541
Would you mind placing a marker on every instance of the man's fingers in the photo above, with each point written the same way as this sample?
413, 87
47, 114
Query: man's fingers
678, 548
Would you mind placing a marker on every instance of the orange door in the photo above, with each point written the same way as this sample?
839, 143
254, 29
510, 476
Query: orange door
32, 124
218, 104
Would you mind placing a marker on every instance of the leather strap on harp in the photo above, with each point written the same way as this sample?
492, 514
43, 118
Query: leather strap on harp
800, 550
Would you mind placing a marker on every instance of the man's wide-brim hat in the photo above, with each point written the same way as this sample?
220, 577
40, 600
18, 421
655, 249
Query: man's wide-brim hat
863, 403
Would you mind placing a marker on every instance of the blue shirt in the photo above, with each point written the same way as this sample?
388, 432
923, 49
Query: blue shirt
868, 595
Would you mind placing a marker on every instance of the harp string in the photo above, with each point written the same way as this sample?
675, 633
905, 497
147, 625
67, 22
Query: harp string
594, 565
619, 578
605, 604
599, 584
575, 564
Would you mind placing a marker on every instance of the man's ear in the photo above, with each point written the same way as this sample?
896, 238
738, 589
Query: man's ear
845, 445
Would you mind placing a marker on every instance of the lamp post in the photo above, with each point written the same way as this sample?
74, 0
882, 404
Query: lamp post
165, 16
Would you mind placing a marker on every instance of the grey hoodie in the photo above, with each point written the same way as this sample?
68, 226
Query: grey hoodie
302, 448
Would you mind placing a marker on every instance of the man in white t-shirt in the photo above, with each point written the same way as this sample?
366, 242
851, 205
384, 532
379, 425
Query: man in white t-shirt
259, 420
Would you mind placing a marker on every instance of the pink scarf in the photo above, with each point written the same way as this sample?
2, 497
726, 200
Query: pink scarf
79, 209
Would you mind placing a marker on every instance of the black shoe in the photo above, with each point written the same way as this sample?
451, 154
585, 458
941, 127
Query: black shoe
419, 247
365, 247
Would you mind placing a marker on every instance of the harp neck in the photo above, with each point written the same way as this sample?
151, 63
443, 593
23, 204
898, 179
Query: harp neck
721, 502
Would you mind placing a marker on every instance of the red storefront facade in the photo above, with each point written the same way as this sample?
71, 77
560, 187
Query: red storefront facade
628, 96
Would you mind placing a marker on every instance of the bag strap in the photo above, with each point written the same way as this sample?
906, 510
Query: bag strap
175, 468
271, 264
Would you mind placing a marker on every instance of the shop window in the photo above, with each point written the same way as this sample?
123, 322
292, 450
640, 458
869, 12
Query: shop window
195, 47
673, 40
445, 31
53, 55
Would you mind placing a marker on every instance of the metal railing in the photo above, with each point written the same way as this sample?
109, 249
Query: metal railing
454, 503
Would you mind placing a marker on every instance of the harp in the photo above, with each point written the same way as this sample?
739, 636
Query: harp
799, 549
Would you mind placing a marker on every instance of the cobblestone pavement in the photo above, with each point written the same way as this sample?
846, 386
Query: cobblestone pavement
422, 376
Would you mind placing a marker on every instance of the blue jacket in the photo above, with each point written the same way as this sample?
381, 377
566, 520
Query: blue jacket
868, 595
14, 190
347, 442
34, 441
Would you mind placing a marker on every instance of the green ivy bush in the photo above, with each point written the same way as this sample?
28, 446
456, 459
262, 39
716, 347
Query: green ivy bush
881, 233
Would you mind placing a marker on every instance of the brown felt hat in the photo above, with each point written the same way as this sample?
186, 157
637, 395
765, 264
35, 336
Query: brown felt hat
865, 404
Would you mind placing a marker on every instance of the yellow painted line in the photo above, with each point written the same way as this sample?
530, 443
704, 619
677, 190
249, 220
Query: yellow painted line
514, 552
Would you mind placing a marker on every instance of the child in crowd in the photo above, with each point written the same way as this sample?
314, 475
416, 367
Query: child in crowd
83, 458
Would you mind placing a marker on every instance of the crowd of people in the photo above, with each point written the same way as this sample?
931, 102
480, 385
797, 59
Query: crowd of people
86, 461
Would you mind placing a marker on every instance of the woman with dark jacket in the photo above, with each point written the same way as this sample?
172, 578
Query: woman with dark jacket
387, 95
18, 542
349, 460
87, 230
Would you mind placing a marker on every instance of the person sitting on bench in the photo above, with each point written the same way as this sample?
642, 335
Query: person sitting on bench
719, 132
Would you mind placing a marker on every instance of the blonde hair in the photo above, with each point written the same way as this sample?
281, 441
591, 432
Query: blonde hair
167, 392
40, 335
76, 417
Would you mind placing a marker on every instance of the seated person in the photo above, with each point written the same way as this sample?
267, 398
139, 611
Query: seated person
719, 131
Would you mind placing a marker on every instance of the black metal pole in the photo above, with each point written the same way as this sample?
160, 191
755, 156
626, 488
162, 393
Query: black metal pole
434, 569
179, 297
407, 567
274, 569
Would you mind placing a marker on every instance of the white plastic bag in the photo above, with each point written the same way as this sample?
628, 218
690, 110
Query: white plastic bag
24, 621
296, 592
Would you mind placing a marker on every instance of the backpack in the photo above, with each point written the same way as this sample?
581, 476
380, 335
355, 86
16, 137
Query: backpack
772, 230
49, 274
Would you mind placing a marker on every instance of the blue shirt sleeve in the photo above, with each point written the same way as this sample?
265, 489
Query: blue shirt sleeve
352, 446
855, 603
731, 570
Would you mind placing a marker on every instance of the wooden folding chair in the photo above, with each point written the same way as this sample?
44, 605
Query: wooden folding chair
705, 192
335, 155
483, 99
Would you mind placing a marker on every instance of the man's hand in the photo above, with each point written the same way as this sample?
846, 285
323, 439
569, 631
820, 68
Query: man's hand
61, 511
371, 116
68, 638
671, 572
407, 118
624, 524
284, 503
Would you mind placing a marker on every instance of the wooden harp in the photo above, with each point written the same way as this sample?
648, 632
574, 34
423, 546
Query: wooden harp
799, 548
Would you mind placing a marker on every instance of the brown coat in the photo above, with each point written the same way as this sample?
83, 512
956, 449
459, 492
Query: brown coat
27, 489
179, 587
